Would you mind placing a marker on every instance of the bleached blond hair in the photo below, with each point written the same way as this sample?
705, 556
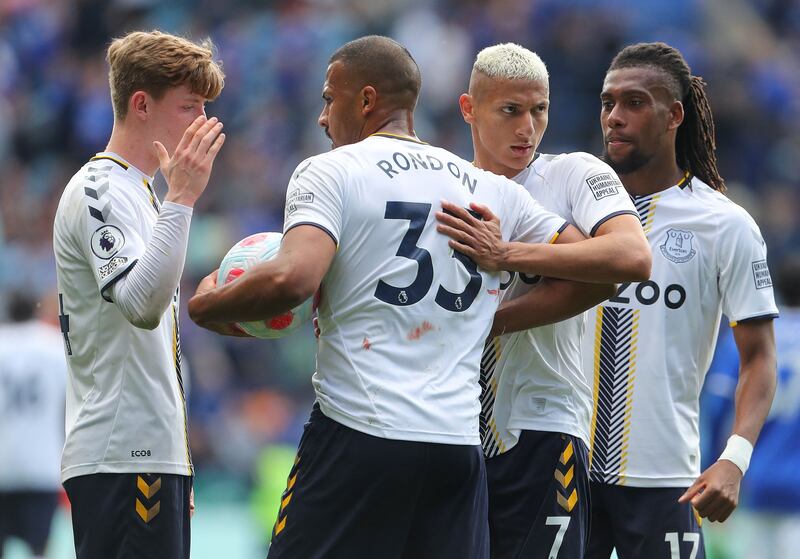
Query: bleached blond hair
511, 62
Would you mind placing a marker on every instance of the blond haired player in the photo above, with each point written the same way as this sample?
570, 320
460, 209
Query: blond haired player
119, 253
537, 400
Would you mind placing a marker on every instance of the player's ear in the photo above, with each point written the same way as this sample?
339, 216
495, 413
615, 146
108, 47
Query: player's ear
139, 104
676, 115
467, 108
369, 98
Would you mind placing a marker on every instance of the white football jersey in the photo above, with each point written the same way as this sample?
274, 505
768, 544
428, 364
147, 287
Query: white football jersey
403, 318
125, 404
534, 379
33, 376
649, 347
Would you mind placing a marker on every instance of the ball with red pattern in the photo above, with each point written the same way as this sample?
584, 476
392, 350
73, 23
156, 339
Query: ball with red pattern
245, 254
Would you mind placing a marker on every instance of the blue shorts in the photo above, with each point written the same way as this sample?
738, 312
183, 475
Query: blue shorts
539, 498
27, 515
353, 495
130, 515
643, 522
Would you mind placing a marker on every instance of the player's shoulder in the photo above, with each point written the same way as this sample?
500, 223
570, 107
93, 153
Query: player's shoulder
97, 188
572, 169
98, 179
725, 211
575, 175
571, 162
343, 159
322, 171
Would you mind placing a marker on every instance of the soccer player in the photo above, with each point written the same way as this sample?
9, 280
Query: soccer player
768, 522
537, 402
650, 345
33, 376
390, 463
119, 252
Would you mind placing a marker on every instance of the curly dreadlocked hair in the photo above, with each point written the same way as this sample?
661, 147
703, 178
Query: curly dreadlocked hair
695, 143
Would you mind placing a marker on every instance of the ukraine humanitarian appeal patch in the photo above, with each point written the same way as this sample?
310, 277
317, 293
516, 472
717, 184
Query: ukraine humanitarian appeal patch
107, 241
603, 185
298, 197
761, 276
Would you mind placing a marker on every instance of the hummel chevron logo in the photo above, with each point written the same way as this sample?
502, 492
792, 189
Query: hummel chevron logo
564, 479
96, 193
96, 169
102, 213
301, 171
286, 498
567, 454
149, 514
148, 490
567, 503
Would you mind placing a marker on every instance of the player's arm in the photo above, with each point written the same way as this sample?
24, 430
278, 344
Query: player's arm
553, 300
715, 494
270, 288
144, 292
618, 252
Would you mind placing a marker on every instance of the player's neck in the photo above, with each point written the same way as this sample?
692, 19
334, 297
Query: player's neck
653, 177
133, 148
489, 164
398, 122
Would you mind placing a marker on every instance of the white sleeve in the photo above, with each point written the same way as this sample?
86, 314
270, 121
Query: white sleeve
315, 197
534, 224
146, 290
743, 276
594, 191
113, 235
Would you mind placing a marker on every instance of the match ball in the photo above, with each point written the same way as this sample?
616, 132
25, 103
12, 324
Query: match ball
245, 254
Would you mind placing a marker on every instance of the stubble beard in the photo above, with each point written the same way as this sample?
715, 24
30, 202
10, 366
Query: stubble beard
633, 162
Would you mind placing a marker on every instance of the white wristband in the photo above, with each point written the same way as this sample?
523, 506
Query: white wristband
738, 451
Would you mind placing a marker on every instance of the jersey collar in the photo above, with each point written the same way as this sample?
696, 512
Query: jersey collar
122, 162
685, 181
680, 186
146, 180
399, 137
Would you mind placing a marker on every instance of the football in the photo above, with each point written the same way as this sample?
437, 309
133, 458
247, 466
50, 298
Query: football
245, 254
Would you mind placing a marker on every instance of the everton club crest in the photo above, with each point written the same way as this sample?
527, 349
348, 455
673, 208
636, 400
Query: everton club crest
678, 246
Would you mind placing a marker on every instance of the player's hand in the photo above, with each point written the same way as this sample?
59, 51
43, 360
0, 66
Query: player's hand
480, 239
189, 168
715, 494
207, 284
191, 503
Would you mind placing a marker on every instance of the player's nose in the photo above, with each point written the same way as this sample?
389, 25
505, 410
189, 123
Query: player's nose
615, 117
526, 127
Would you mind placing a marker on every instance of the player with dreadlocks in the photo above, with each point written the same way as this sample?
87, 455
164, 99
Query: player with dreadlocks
648, 494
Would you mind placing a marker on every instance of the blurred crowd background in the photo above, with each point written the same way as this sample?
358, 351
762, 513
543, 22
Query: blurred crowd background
248, 400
